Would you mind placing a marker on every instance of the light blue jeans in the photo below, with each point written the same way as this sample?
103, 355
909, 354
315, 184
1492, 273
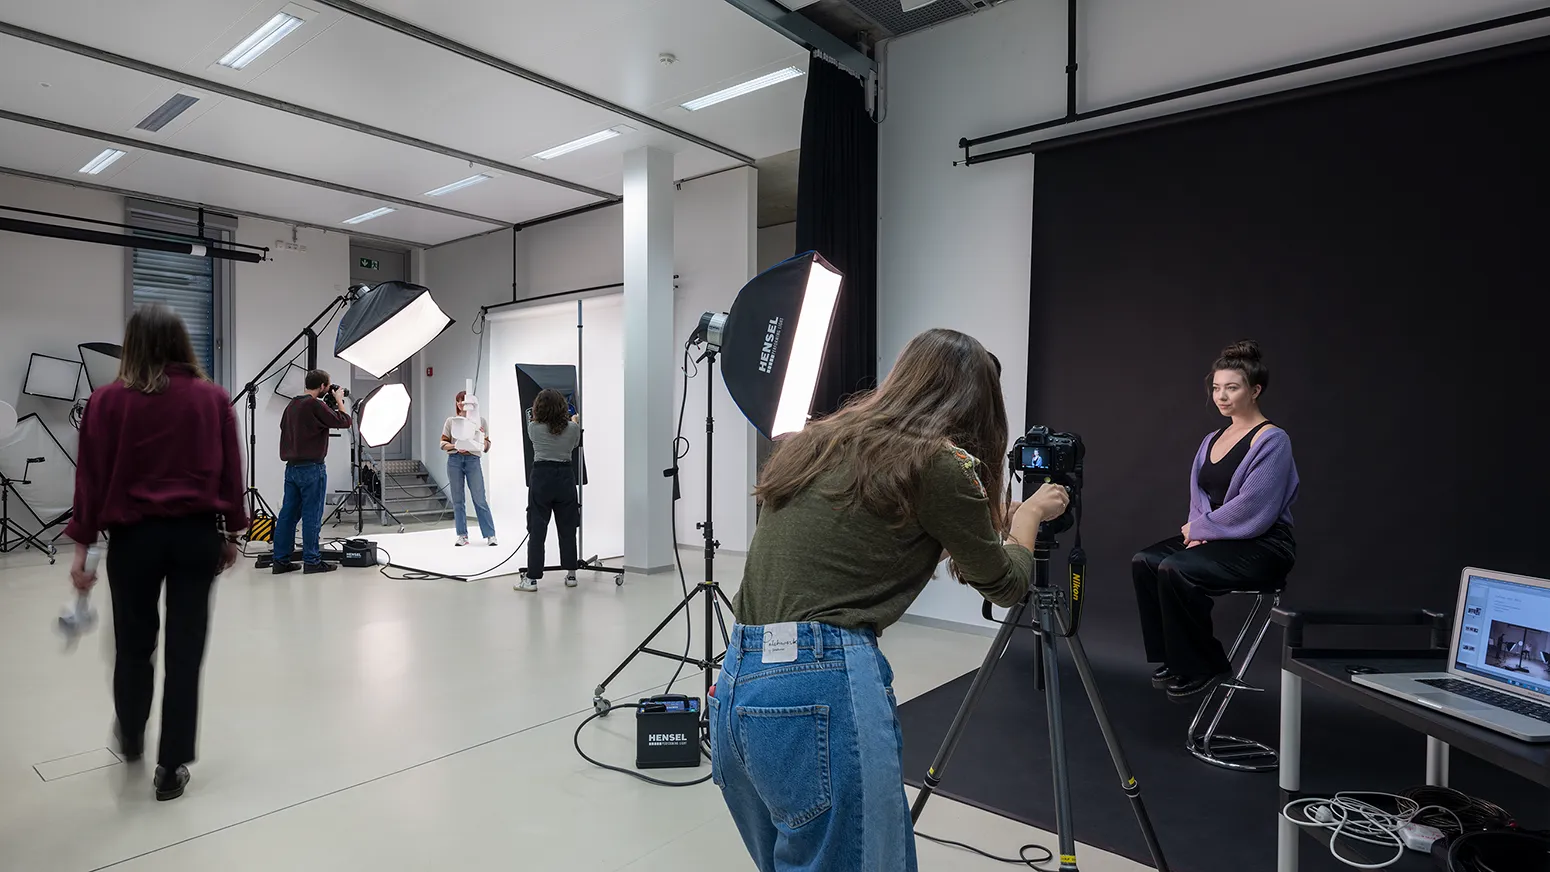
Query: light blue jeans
461, 467
809, 754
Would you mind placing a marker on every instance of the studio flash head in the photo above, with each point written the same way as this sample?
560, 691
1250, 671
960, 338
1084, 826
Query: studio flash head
1044, 456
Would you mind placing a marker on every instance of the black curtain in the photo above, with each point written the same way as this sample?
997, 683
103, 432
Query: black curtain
1387, 248
837, 217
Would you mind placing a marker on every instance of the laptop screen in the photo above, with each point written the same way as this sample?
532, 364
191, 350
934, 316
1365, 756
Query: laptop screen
1504, 633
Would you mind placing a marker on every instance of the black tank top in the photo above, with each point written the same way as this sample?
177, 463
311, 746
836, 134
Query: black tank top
1216, 478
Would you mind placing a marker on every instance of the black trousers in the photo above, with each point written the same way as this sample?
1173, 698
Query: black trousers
185, 553
552, 491
1174, 585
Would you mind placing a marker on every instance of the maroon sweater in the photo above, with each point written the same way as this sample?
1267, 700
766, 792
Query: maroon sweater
304, 429
166, 455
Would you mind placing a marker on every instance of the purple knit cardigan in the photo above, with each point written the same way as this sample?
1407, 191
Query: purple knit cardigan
1261, 493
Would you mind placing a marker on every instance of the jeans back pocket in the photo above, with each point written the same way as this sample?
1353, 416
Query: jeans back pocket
786, 753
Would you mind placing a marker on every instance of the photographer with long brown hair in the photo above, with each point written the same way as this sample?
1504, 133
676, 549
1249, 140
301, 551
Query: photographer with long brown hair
551, 489
857, 511
160, 469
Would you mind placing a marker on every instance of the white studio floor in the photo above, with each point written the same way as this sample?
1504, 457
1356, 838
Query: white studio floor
352, 722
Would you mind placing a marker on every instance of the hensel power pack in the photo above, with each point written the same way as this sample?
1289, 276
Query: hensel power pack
667, 732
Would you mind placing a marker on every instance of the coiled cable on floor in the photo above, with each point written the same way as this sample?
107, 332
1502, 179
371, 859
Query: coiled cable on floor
1454, 812
1022, 858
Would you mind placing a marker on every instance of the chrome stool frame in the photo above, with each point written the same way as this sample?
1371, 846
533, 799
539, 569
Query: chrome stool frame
1236, 752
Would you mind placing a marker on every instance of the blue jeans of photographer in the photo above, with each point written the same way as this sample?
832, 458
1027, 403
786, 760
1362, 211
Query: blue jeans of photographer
809, 754
463, 468
306, 483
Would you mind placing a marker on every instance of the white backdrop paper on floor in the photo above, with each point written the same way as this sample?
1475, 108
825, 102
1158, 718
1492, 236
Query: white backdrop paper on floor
546, 333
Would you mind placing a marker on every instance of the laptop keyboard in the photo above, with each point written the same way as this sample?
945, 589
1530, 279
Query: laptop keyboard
1494, 697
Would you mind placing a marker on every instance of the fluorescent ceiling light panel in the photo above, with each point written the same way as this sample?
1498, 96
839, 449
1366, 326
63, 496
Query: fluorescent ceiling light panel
260, 41
747, 87
102, 161
459, 185
167, 111
367, 216
594, 139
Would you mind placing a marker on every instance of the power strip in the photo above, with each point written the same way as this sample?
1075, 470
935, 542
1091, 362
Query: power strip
1419, 837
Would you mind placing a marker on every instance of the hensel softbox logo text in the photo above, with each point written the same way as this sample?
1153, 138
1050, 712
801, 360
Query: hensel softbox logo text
771, 345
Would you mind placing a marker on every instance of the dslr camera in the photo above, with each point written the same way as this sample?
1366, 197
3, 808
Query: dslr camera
1043, 456
328, 396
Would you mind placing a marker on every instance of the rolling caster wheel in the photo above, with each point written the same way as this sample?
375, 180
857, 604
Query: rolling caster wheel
618, 581
601, 706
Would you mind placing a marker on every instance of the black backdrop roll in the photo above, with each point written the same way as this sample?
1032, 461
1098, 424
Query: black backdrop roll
1386, 246
837, 217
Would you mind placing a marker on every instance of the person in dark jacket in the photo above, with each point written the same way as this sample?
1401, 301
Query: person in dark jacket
304, 448
160, 470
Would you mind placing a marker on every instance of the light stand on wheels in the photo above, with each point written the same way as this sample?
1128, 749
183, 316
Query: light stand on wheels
1053, 458
12, 536
709, 589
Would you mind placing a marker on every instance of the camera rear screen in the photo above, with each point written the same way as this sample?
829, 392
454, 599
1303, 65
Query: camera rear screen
1035, 458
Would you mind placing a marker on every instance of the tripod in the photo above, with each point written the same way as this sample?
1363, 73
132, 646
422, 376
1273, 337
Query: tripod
12, 536
359, 491
709, 589
1046, 600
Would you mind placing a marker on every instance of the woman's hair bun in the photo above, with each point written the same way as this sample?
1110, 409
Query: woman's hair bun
1244, 350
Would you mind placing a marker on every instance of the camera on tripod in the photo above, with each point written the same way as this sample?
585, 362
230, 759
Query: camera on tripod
1044, 456
328, 396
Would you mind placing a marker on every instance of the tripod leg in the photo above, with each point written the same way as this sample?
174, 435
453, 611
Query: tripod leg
1065, 834
960, 720
683, 604
1126, 778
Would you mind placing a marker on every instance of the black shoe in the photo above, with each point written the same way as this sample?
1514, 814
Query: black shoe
1184, 688
1163, 677
318, 567
170, 785
130, 751
280, 567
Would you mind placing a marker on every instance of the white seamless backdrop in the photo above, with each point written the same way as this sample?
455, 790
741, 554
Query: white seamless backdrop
546, 333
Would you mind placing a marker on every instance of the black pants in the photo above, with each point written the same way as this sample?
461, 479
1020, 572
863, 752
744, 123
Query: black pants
551, 491
185, 552
1174, 586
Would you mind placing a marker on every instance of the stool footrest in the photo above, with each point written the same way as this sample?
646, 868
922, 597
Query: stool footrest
1235, 752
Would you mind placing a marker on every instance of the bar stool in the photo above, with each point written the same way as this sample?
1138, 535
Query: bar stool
1236, 752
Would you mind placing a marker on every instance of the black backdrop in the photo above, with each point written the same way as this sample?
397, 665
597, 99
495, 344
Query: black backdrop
1387, 248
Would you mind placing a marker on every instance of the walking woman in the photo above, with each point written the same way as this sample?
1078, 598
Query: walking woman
1239, 536
551, 489
857, 510
160, 471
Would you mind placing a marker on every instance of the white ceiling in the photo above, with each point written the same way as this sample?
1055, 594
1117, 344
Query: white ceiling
372, 75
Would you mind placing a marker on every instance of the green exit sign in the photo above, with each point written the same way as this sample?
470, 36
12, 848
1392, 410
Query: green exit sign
368, 263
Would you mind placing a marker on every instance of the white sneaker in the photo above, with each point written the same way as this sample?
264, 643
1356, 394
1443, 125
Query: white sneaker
461, 541
491, 541
570, 579
527, 584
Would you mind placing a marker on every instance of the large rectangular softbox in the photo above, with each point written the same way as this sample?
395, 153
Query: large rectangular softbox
535, 377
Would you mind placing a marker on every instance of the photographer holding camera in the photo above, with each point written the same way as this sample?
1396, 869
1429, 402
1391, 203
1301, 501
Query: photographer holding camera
1239, 535
858, 508
304, 447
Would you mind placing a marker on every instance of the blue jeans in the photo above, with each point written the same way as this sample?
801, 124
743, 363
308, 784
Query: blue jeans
809, 754
305, 485
459, 468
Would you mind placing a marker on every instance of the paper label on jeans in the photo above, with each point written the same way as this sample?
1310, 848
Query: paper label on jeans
780, 643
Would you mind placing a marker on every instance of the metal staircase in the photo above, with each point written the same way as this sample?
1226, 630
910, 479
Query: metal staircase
409, 492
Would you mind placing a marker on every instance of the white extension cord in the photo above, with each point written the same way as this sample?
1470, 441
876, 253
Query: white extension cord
1346, 816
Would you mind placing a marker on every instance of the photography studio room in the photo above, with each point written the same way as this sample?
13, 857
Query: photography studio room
773, 435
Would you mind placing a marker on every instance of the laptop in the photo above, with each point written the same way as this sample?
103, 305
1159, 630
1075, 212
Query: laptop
1499, 662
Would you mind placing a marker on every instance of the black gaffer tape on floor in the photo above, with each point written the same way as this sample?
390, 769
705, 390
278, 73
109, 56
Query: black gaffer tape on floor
1207, 819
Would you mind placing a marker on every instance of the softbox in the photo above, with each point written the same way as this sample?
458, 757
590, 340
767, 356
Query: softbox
773, 339
535, 377
292, 382
99, 363
382, 414
52, 378
49, 497
387, 324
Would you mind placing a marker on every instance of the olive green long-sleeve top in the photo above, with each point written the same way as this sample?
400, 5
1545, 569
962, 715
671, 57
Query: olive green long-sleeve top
812, 560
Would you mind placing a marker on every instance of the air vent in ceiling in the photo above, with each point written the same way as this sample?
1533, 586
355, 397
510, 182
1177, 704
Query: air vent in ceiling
166, 112
881, 19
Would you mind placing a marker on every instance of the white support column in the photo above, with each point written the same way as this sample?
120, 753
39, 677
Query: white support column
648, 359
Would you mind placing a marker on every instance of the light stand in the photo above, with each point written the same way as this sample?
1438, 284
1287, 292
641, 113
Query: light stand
1046, 600
714, 596
12, 536
360, 493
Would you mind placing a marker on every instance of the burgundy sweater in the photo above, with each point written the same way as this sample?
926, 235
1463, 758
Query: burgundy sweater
304, 429
166, 455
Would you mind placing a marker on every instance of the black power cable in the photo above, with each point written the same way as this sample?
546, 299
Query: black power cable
576, 740
1022, 858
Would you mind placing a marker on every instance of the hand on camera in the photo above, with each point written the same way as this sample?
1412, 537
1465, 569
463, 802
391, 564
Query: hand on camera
1047, 503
